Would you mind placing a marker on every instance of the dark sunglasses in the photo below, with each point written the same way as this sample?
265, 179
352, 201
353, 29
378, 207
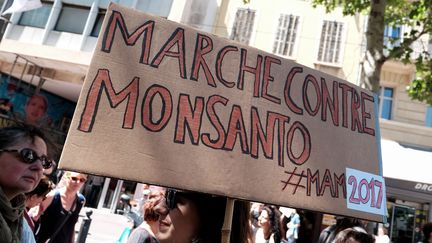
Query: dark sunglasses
170, 198
29, 156
82, 180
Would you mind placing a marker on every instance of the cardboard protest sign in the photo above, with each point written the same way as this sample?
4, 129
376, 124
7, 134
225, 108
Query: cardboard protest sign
166, 104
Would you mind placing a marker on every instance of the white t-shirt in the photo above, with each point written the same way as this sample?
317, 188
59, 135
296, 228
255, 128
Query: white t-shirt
259, 237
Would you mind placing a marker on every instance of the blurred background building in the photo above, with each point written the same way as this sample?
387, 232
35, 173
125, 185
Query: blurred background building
49, 50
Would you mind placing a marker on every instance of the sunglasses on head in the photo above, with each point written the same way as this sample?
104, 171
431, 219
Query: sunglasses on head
82, 180
29, 156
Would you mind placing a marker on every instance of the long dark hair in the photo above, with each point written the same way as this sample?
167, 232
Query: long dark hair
274, 218
342, 223
355, 233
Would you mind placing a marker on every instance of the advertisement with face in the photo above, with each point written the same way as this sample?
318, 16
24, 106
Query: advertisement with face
42, 109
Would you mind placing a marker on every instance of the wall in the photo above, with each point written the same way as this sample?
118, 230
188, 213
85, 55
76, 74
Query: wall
407, 124
309, 33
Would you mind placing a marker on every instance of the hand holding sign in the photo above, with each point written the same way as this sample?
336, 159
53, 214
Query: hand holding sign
365, 192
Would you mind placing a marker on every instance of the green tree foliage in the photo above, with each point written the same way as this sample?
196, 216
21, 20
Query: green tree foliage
417, 15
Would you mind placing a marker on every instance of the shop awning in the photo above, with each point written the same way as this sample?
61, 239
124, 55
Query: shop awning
405, 163
66, 80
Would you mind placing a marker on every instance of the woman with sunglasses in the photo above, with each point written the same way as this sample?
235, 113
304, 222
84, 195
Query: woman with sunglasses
187, 217
268, 222
23, 156
59, 211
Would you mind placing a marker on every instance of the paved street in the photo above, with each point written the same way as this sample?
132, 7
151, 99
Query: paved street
105, 226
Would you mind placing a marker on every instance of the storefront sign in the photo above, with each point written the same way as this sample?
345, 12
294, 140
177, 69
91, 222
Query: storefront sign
165, 104
418, 187
423, 187
366, 192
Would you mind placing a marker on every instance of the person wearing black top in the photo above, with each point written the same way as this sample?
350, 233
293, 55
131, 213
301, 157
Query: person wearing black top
59, 212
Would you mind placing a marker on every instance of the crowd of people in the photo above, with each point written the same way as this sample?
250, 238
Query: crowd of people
34, 210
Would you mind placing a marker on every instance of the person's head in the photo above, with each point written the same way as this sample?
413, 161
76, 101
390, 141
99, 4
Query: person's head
255, 212
150, 214
269, 220
354, 235
197, 217
36, 196
23, 156
74, 180
427, 231
36, 108
346, 222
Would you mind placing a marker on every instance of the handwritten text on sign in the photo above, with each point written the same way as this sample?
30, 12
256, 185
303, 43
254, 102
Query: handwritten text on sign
166, 104
365, 192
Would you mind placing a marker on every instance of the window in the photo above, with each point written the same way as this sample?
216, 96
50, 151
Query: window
72, 19
392, 36
243, 26
36, 17
428, 122
98, 24
386, 102
286, 35
331, 42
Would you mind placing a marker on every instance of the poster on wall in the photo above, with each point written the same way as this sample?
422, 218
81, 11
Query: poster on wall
19, 102
166, 104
